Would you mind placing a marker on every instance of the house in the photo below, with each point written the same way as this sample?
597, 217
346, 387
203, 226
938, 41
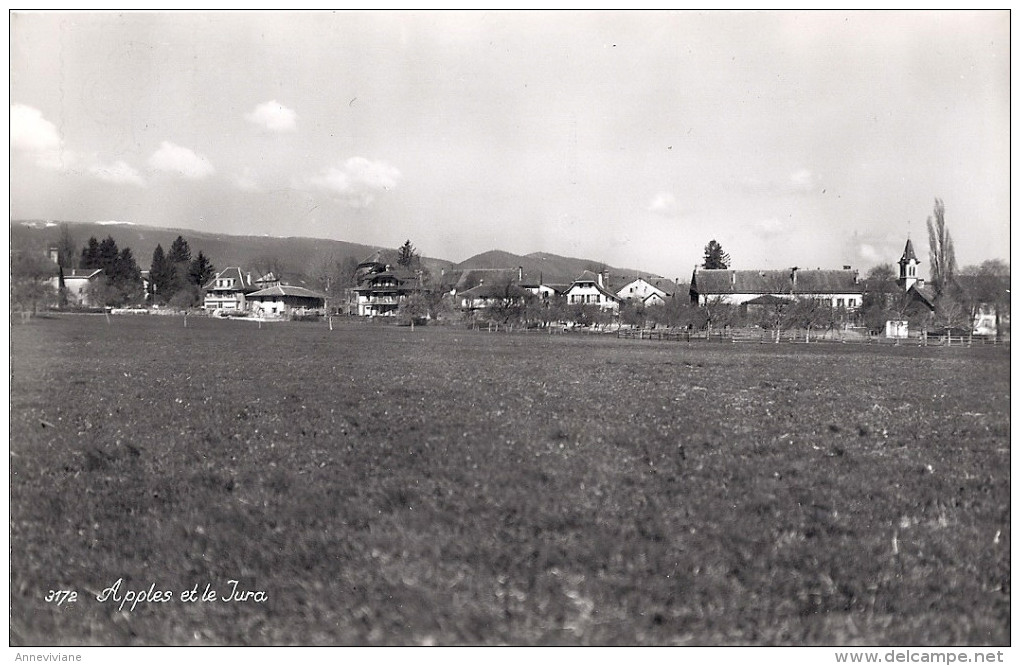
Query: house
835, 288
284, 300
77, 284
270, 279
380, 288
491, 295
589, 289
545, 291
228, 290
647, 291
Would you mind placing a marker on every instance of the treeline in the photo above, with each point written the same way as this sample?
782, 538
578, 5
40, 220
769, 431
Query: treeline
175, 278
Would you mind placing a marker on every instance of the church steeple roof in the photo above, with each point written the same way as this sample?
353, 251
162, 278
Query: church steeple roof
908, 253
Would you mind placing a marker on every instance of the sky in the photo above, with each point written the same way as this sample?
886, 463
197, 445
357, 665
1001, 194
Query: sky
810, 139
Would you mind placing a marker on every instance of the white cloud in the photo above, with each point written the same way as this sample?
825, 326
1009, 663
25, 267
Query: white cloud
664, 203
118, 172
769, 227
181, 161
869, 254
37, 138
273, 116
356, 181
246, 181
803, 180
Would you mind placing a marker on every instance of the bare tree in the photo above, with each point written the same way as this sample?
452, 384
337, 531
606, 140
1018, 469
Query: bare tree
940, 249
31, 280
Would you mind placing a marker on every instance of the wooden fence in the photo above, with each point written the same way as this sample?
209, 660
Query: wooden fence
747, 335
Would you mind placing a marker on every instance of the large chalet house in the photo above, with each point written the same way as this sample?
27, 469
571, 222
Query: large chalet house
382, 285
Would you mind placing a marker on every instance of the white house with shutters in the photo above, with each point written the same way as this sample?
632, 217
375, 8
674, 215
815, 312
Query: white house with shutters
589, 289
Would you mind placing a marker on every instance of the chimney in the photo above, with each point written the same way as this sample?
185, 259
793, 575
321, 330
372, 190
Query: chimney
598, 278
793, 275
249, 277
857, 276
520, 274
846, 267
733, 278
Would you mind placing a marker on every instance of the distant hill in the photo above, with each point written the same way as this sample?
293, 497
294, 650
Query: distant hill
553, 268
295, 256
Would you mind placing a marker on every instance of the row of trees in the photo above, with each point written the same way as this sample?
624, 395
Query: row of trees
121, 282
175, 278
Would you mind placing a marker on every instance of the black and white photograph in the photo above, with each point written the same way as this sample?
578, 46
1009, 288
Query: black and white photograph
502, 329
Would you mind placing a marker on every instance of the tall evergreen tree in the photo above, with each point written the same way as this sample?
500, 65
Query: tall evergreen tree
201, 270
408, 255
179, 251
108, 254
160, 275
90, 254
715, 257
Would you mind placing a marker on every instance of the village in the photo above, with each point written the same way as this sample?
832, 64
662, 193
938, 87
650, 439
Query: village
893, 303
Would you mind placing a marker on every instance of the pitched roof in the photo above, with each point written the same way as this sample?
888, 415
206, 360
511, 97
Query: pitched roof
240, 282
589, 277
496, 291
924, 294
287, 290
382, 256
463, 279
81, 273
726, 281
769, 299
660, 284
908, 253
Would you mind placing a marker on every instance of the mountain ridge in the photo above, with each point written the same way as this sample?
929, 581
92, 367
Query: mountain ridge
294, 254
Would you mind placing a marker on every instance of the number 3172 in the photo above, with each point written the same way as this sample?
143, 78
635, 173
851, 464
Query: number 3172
60, 597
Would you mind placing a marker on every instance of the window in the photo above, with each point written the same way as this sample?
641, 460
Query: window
839, 302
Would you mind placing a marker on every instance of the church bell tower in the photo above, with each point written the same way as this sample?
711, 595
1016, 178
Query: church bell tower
908, 267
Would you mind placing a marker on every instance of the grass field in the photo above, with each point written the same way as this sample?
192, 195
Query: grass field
442, 486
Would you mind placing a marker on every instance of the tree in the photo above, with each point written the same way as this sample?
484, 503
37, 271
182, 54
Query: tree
882, 273
265, 265
90, 254
334, 276
201, 270
31, 275
986, 285
880, 292
161, 275
409, 257
122, 280
108, 254
179, 251
67, 248
941, 254
950, 314
715, 257
413, 309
